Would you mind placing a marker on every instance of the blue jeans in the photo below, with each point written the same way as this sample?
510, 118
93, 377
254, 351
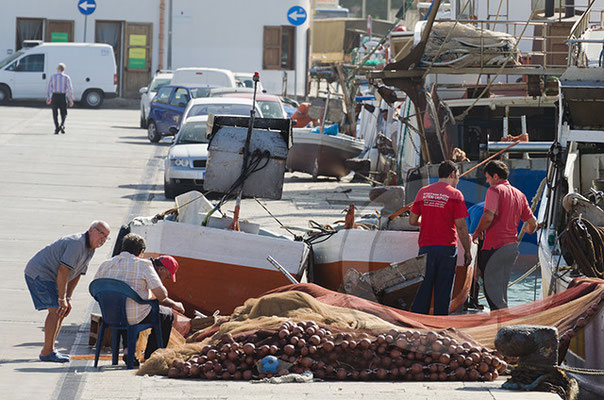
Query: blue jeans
441, 263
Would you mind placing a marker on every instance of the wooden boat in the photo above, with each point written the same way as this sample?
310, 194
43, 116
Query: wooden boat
320, 154
580, 126
368, 251
220, 269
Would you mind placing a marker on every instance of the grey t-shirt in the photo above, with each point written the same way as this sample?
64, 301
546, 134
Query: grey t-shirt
71, 251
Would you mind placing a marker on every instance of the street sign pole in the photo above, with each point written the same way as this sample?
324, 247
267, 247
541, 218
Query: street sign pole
85, 26
86, 7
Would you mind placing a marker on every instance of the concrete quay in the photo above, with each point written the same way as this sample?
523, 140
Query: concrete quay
105, 168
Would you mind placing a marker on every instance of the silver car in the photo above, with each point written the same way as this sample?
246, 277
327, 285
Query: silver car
160, 79
185, 165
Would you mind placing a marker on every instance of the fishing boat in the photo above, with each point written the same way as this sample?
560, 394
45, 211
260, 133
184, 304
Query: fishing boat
370, 250
320, 154
574, 175
220, 268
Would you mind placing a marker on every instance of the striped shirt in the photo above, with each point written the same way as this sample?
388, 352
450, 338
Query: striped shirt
59, 83
136, 272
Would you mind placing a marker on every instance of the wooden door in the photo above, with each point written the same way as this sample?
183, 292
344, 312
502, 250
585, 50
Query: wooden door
58, 31
137, 57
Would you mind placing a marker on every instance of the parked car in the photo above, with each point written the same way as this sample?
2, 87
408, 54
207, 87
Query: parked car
246, 79
91, 67
269, 105
167, 109
161, 79
204, 76
185, 165
221, 106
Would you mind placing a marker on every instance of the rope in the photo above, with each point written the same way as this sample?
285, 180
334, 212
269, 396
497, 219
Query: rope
585, 242
296, 237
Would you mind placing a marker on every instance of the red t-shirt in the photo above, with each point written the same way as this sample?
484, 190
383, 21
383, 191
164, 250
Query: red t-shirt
439, 205
510, 206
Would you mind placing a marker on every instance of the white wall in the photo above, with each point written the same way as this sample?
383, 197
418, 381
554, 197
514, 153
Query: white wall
229, 33
206, 33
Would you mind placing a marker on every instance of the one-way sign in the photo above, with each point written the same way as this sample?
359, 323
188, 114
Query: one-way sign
296, 15
86, 7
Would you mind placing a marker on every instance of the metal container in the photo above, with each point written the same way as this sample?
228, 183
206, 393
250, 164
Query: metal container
269, 145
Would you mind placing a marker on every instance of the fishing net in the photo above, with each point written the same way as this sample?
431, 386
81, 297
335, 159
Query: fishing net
342, 337
468, 46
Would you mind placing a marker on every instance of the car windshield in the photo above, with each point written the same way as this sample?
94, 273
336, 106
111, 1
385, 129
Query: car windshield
192, 132
200, 92
220, 109
10, 59
158, 83
271, 109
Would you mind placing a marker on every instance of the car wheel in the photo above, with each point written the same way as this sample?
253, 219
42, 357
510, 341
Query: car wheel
4, 94
92, 98
169, 191
152, 133
143, 121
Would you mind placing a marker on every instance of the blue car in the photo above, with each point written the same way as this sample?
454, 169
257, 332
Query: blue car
168, 106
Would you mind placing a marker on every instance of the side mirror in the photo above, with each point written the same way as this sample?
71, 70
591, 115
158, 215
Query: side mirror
182, 104
173, 130
142, 90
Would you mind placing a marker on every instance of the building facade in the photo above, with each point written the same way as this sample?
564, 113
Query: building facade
268, 36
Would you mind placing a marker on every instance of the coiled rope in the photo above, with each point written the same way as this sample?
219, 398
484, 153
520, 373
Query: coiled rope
585, 242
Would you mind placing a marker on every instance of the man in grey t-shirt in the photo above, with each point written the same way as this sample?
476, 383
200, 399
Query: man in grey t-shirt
52, 275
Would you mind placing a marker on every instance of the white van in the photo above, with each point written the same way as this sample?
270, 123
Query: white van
91, 67
204, 76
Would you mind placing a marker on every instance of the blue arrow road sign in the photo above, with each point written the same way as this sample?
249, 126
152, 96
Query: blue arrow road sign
296, 15
86, 7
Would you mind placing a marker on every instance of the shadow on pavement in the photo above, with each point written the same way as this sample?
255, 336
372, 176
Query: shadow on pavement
128, 127
145, 143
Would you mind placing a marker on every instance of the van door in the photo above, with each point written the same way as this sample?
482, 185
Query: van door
27, 77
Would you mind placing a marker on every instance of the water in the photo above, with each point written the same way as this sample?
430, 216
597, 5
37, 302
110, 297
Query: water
523, 292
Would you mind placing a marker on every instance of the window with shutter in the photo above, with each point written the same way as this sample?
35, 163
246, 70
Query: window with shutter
279, 47
272, 47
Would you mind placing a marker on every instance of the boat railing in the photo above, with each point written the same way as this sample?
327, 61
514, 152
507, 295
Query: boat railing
591, 18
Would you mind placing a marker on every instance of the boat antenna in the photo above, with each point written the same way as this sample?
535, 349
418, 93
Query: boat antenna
246, 150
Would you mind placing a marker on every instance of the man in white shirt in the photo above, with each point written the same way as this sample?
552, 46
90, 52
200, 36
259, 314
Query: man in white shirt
144, 276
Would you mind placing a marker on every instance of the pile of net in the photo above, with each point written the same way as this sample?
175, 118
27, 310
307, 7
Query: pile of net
338, 336
468, 46
336, 343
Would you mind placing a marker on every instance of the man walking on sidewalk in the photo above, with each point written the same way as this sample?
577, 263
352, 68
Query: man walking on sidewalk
440, 211
52, 275
59, 91
504, 207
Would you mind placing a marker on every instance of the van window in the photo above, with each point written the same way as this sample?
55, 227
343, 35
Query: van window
181, 96
10, 59
163, 95
31, 63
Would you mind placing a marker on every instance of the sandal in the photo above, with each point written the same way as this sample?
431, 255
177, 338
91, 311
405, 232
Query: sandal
55, 357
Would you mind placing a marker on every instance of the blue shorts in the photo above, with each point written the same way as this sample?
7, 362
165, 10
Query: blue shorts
43, 293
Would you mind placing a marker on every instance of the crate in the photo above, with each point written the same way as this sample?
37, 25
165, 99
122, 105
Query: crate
95, 325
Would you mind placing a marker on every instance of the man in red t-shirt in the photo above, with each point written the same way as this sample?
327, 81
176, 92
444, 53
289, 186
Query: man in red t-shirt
504, 207
440, 212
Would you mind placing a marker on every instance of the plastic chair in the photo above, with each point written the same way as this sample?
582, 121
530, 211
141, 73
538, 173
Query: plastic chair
111, 294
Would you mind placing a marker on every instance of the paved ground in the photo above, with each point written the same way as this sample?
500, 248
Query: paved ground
104, 168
